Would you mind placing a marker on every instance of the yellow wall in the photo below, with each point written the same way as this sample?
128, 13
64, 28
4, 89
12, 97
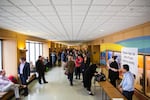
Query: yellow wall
110, 46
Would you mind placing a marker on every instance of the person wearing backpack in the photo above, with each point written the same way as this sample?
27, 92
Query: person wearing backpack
89, 73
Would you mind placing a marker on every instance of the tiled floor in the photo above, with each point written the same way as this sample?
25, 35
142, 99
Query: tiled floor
58, 88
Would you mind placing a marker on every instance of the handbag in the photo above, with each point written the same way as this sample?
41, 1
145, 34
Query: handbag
100, 77
66, 72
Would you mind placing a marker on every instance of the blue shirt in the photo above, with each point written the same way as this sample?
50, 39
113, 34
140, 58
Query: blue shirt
128, 82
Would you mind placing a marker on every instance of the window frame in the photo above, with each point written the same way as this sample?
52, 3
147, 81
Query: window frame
35, 43
1, 54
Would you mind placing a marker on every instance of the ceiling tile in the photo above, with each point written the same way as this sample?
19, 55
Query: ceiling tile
121, 2
5, 14
10, 8
77, 19
141, 3
132, 9
63, 9
46, 8
114, 8
79, 10
107, 13
81, 2
62, 2
21, 2
41, 2
66, 19
4, 3
101, 2
28, 8
97, 8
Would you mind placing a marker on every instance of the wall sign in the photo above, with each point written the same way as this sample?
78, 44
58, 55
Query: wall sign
130, 56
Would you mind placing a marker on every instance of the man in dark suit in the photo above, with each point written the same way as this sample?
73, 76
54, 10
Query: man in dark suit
40, 68
24, 73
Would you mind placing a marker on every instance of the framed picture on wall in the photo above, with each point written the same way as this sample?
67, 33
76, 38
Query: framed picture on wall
110, 54
103, 58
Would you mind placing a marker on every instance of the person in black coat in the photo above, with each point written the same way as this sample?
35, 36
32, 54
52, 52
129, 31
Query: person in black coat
40, 68
24, 73
113, 71
89, 73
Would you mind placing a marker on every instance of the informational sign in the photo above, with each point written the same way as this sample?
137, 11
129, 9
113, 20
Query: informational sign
118, 59
130, 56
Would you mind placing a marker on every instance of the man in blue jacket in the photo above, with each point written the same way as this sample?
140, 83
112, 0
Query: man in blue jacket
24, 73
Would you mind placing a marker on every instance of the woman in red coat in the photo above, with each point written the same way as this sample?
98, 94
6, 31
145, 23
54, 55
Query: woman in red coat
78, 63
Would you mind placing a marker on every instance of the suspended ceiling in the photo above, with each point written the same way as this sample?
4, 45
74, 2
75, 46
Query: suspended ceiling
72, 20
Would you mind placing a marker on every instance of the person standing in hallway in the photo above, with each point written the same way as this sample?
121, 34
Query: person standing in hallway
127, 84
84, 66
59, 58
78, 63
70, 66
88, 58
40, 68
63, 59
24, 73
113, 71
89, 73
6, 85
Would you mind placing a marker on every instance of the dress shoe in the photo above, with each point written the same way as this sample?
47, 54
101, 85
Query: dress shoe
18, 99
25, 94
45, 82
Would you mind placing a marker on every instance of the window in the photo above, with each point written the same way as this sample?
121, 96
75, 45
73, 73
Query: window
139, 82
0, 54
147, 82
35, 49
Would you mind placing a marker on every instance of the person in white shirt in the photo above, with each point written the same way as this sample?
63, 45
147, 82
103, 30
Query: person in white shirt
6, 85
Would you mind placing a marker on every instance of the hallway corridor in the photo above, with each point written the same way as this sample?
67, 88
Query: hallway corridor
58, 88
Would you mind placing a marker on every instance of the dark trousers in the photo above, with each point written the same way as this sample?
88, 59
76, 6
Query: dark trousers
70, 76
83, 75
41, 75
24, 82
113, 81
87, 82
77, 72
128, 94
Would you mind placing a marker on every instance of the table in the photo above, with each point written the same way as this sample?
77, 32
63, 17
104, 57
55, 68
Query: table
111, 91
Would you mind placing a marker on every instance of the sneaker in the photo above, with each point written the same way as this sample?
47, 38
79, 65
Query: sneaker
90, 93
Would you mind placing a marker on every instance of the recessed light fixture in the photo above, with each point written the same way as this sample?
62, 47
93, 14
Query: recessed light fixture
101, 30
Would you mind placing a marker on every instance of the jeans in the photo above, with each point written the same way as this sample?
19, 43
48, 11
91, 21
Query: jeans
128, 94
24, 82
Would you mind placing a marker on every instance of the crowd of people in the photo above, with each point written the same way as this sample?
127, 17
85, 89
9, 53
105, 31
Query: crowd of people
74, 62
77, 62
